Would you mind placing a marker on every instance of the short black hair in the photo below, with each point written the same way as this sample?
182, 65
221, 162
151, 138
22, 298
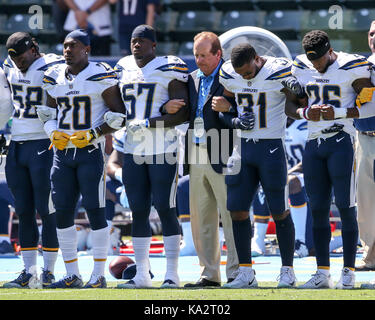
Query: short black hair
316, 41
241, 54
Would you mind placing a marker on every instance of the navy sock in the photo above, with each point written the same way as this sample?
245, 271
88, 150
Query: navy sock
349, 235
49, 233
298, 199
322, 236
242, 239
285, 237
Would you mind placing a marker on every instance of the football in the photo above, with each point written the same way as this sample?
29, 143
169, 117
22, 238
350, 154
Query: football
118, 265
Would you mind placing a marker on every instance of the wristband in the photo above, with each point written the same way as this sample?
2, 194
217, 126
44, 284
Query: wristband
304, 113
340, 113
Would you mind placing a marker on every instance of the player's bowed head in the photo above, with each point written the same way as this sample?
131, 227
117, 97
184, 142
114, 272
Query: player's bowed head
23, 50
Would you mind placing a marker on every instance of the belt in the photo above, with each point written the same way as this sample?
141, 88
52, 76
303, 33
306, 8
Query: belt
368, 133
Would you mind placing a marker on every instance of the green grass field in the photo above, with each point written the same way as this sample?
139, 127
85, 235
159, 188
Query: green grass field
266, 291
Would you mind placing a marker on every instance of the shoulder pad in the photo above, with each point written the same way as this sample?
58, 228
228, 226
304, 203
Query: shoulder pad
226, 70
172, 63
299, 64
281, 73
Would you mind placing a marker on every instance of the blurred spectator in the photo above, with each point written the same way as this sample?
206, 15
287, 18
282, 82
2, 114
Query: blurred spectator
132, 13
95, 17
59, 12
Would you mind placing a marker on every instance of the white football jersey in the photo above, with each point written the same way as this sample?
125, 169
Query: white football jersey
6, 106
79, 98
333, 87
295, 141
261, 95
27, 92
144, 91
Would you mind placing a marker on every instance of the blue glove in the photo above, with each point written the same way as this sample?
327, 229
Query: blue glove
245, 121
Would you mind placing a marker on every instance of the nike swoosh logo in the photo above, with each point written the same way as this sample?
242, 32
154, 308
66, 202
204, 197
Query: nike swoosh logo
338, 140
69, 283
89, 151
40, 152
318, 283
24, 283
272, 151
95, 285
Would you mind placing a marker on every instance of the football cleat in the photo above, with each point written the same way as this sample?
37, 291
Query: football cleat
286, 278
318, 281
244, 279
96, 282
169, 284
22, 281
370, 285
136, 283
347, 279
71, 281
300, 250
47, 278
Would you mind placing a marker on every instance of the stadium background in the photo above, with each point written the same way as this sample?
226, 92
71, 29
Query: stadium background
179, 20
176, 25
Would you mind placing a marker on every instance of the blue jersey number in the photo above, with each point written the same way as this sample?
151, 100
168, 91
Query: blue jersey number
313, 90
241, 97
295, 154
34, 97
149, 88
79, 104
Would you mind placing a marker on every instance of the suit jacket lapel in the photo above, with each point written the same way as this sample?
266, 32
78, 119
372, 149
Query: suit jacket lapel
195, 103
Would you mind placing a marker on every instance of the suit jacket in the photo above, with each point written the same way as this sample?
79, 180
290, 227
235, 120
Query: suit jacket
212, 120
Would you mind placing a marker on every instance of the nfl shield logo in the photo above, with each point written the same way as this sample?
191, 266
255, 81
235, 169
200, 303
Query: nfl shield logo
249, 83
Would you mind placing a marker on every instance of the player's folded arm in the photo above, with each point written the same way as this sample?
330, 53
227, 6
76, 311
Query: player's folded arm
294, 105
176, 90
365, 102
227, 117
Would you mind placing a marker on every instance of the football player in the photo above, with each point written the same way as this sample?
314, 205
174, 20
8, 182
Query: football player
89, 106
332, 81
295, 139
29, 161
253, 83
148, 83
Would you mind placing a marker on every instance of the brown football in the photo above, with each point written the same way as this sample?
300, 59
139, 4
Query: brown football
118, 265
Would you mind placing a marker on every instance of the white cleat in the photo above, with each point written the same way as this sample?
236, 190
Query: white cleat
287, 278
136, 283
318, 281
347, 279
244, 280
300, 250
